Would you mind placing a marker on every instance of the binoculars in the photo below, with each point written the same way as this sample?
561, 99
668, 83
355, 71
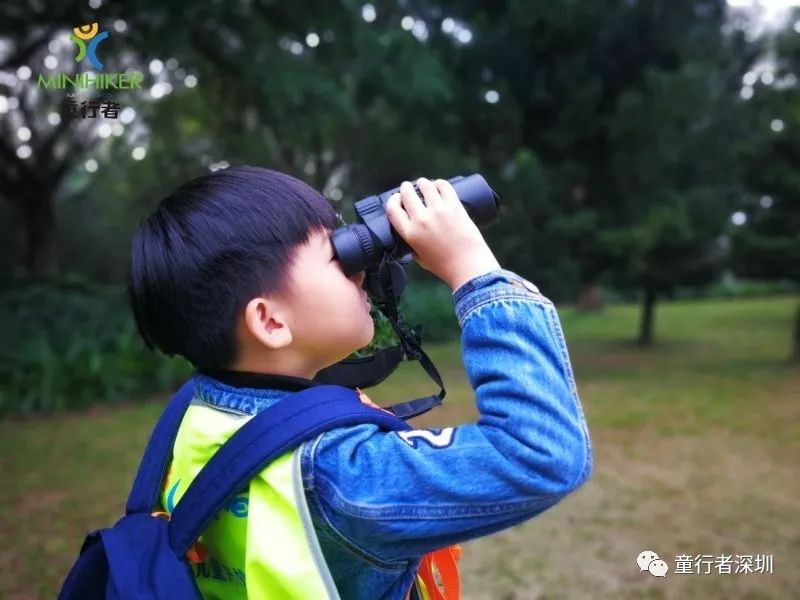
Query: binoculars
362, 246
372, 245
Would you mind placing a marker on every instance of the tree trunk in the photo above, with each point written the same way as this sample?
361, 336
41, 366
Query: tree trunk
39, 220
795, 357
648, 308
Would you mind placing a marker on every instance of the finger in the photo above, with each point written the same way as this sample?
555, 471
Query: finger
411, 201
447, 191
429, 192
397, 216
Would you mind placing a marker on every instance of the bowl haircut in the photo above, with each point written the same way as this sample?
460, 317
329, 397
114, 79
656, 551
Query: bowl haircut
212, 245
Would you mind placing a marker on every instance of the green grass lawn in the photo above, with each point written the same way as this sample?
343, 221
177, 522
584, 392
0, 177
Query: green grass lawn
696, 445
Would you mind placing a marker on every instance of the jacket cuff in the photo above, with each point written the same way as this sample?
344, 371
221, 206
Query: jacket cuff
474, 292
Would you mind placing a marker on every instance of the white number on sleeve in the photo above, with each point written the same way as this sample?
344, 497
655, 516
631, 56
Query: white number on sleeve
441, 438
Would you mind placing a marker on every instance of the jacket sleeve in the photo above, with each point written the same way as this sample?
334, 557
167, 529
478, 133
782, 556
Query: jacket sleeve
398, 495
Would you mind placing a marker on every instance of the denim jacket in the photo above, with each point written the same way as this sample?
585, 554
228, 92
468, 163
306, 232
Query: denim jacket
380, 500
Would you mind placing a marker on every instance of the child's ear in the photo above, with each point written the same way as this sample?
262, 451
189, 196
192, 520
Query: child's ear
265, 321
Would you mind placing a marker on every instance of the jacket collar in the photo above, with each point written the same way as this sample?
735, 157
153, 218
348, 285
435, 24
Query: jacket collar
252, 380
244, 391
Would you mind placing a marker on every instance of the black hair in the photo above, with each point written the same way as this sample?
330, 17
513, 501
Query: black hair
212, 245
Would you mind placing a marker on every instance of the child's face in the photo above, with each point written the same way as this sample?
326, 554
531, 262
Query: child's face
331, 317
324, 318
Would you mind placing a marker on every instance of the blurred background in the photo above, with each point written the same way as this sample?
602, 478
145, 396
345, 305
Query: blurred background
647, 154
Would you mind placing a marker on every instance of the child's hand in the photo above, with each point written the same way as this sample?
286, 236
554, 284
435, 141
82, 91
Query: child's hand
443, 238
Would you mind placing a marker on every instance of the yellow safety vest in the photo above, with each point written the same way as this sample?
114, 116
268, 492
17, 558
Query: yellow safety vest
262, 544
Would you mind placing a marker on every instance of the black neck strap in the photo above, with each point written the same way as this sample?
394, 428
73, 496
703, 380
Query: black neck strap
368, 371
363, 372
409, 342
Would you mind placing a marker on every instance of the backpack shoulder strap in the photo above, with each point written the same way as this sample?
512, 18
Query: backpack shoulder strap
265, 437
152, 469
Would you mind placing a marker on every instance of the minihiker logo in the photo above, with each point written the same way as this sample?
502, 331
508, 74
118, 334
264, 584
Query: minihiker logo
88, 33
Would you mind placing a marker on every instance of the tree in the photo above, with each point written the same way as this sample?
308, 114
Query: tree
767, 246
631, 110
313, 89
674, 174
40, 145
36, 153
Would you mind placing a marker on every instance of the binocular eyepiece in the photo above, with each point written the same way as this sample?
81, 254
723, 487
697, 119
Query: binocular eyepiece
361, 246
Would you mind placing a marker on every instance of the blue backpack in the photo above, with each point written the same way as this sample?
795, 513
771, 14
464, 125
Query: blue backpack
144, 556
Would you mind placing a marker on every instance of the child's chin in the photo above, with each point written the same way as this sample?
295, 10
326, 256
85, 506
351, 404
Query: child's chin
368, 337
367, 341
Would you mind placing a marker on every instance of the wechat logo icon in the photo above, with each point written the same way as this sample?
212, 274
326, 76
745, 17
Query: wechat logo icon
649, 561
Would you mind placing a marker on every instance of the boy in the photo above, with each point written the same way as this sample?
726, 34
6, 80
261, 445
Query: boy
236, 272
